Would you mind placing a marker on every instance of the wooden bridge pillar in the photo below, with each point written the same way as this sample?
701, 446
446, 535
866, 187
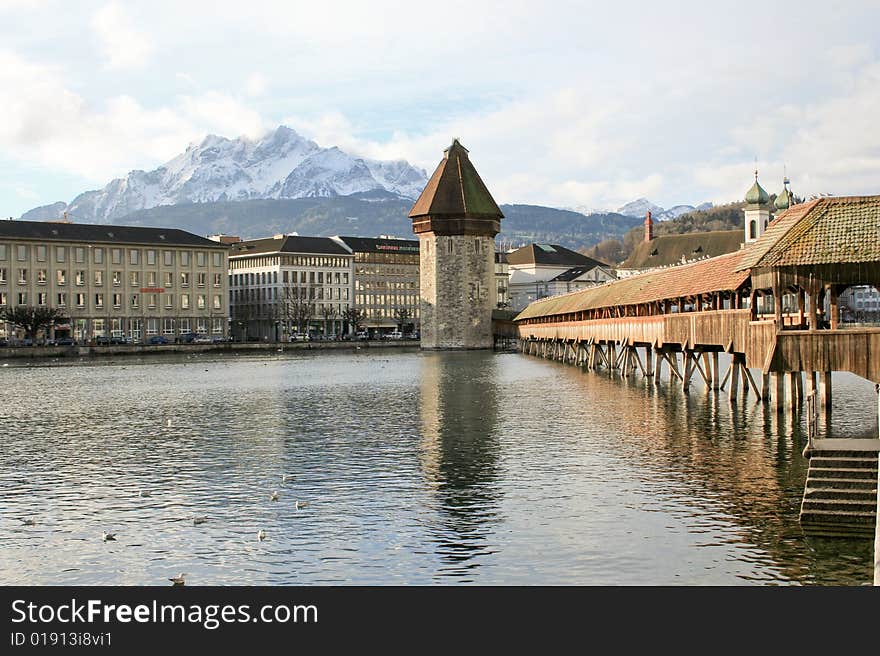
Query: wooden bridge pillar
649, 361
777, 391
716, 378
825, 391
791, 391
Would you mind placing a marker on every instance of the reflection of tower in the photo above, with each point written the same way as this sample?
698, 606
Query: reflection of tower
459, 449
456, 220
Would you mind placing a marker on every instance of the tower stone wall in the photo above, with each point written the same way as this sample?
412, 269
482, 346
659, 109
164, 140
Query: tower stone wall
457, 275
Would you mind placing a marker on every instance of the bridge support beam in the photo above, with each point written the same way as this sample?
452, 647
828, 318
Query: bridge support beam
649, 361
825, 391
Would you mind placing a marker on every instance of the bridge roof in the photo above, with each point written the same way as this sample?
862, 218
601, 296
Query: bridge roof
714, 274
844, 230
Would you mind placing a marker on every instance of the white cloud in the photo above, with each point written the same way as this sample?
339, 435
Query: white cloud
47, 124
256, 84
120, 43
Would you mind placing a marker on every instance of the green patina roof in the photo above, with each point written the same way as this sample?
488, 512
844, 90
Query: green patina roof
756, 195
783, 200
456, 190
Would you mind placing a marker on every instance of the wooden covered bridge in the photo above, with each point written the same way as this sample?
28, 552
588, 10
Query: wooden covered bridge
773, 306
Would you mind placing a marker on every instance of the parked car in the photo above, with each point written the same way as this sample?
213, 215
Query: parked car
414, 335
219, 339
120, 340
186, 338
157, 339
363, 335
202, 339
298, 337
102, 340
64, 341
394, 334
3, 343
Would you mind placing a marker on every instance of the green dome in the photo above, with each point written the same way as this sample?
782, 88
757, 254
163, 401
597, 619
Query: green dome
757, 196
783, 201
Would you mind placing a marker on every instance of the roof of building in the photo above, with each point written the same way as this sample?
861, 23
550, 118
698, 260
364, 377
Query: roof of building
668, 250
109, 234
576, 272
822, 231
550, 255
783, 200
287, 244
381, 244
706, 276
456, 189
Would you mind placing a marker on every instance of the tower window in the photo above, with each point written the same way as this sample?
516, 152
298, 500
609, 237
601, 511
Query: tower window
753, 230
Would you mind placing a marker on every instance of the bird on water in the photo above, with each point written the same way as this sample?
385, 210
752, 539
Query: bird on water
300, 504
286, 477
145, 493
107, 537
178, 580
261, 535
273, 496
28, 522
199, 519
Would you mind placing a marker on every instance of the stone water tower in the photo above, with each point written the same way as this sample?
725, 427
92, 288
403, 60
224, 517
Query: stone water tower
456, 221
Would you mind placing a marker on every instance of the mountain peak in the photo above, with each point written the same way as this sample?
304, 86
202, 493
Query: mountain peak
282, 164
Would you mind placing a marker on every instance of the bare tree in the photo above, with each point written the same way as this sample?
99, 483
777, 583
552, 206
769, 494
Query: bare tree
353, 317
297, 306
242, 314
402, 316
328, 312
32, 319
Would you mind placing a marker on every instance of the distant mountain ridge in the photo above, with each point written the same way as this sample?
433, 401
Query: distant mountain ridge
280, 165
640, 206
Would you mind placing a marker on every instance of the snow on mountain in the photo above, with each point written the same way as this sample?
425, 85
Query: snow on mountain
639, 207
280, 165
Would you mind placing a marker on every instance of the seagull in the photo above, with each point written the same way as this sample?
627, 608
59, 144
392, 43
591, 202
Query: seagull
178, 580
28, 522
145, 493
168, 423
300, 504
199, 519
261, 535
286, 477
273, 496
108, 536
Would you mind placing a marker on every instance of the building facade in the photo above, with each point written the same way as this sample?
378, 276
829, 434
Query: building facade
540, 270
386, 283
289, 285
456, 220
115, 281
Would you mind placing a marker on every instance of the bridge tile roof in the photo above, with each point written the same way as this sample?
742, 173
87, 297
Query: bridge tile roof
714, 274
844, 230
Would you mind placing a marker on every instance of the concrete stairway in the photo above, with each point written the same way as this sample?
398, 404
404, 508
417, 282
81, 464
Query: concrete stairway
840, 495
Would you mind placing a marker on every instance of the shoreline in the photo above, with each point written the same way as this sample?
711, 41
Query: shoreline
55, 352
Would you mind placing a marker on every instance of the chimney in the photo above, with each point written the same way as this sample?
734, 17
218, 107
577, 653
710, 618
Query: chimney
649, 227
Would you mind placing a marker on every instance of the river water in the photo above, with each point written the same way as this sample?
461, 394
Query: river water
418, 468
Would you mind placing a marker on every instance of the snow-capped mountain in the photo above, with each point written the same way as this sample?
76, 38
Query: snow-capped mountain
640, 206
282, 164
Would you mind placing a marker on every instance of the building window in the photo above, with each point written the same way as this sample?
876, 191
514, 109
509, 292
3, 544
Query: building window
79, 254
41, 276
151, 258
201, 325
99, 300
62, 299
133, 256
116, 254
2, 276
80, 300
184, 258
135, 279
151, 279
168, 258
200, 258
169, 279
218, 326
80, 278
200, 279
41, 298
135, 300
168, 325
169, 301
3, 299
21, 253
201, 301
184, 301
184, 279
99, 255
218, 279
60, 254
60, 277
753, 230
218, 303
22, 298
22, 276
41, 253
151, 300
117, 300
218, 259
117, 278
99, 278
2, 252
98, 327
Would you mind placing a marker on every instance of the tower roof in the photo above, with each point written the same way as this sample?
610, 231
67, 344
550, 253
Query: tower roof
756, 194
783, 200
456, 190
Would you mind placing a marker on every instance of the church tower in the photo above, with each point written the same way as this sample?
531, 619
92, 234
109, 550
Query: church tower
456, 220
757, 211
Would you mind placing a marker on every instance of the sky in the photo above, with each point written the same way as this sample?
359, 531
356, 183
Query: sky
566, 104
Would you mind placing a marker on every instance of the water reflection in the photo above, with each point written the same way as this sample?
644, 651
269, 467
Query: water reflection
459, 454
